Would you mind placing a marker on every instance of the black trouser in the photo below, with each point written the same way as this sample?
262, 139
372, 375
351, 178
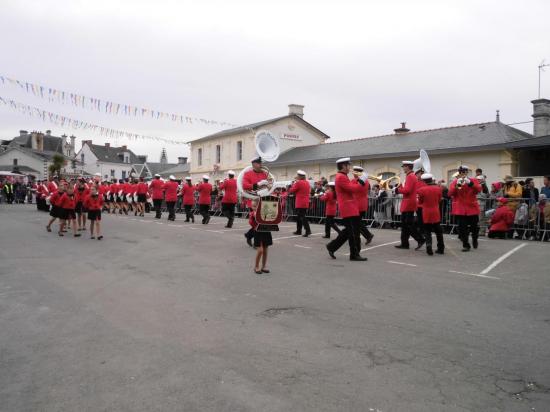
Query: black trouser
188, 213
330, 223
301, 220
363, 229
171, 211
467, 225
9, 197
409, 228
435, 228
157, 203
228, 210
497, 234
351, 234
204, 211
250, 233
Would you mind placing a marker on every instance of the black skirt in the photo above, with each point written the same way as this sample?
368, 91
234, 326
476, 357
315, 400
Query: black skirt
142, 198
68, 214
94, 215
262, 239
80, 208
54, 212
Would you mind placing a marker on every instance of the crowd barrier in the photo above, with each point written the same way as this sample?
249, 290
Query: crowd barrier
384, 212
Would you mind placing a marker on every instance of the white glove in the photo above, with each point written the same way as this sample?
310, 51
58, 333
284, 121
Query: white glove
263, 183
263, 192
364, 177
466, 181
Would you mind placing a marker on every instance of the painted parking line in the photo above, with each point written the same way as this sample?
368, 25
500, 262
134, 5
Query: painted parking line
401, 263
377, 246
474, 274
501, 259
293, 236
303, 247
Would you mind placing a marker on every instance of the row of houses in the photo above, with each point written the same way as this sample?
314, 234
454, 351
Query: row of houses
497, 148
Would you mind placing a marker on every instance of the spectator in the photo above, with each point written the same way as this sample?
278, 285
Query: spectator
512, 190
539, 216
502, 220
482, 181
8, 191
545, 190
530, 191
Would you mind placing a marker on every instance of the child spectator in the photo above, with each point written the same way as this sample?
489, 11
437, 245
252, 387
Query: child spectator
502, 220
539, 216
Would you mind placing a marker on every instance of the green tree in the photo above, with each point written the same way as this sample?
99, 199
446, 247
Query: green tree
58, 162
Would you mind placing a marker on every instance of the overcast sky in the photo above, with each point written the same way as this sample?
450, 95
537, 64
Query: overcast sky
359, 67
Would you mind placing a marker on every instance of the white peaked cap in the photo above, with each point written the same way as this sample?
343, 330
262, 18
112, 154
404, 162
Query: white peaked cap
206, 177
464, 167
407, 162
188, 178
301, 173
231, 173
172, 177
98, 174
157, 175
426, 176
343, 160
358, 168
331, 184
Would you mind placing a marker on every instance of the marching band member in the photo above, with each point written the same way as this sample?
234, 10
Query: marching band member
81, 192
94, 204
52, 185
229, 200
464, 191
141, 191
254, 179
408, 207
430, 196
55, 211
329, 197
345, 190
67, 203
362, 199
301, 190
188, 194
205, 192
113, 198
419, 183
171, 196
125, 195
262, 240
157, 193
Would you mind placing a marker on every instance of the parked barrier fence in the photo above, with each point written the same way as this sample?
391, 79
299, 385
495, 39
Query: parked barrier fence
384, 212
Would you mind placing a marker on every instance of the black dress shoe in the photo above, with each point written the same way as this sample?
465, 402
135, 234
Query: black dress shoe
402, 246
296, 233
440, 251
330, 253
429, 250
420, 244
326, 237
369, 239
466, 248
306, 234
358, 258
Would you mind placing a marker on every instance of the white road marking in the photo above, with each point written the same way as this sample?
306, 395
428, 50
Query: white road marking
214, 231
290, 237
474, 274
502, 258
401, 263
303, 247
374, 247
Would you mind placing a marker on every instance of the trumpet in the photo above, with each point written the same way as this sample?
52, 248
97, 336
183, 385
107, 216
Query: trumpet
385, 183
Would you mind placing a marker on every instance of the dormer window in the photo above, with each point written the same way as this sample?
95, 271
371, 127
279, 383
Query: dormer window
82, 157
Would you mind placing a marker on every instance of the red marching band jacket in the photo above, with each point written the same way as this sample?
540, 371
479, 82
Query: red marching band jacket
229, 187
157, 189
250, 179
345, 190
465, 198
188, 194
330, 203
408, 190
301, 190
205, 191
429, 196
141, 188
171, 191
362, 197
419, 184
81, 195
93, 203
55, 198
67, 202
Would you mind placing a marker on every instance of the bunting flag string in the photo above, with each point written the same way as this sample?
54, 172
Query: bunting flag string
105, 106
61, 120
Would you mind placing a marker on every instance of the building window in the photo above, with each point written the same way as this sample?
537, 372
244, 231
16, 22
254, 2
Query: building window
199, 157
450, 174
82, 157
112, 172
15, 162
124, 174
387, 175
126, 158
218, 154
239, 150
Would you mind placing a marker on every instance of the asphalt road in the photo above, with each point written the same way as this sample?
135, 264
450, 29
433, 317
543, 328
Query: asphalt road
163, 316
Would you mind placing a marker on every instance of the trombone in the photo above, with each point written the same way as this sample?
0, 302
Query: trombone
385, 183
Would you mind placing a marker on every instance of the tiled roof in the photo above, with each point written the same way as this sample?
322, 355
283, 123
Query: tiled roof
159, 168
253, 126
180, 168
480, 136
112, 154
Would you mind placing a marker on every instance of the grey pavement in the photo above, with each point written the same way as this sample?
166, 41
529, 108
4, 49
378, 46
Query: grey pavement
163, 316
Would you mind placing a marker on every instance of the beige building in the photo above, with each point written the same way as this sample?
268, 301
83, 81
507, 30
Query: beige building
234, 148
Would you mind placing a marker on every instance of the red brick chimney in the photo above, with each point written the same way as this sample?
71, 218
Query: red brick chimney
124, 147
403, 129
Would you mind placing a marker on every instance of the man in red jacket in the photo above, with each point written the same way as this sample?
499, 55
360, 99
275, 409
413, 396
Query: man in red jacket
362, 199
254, 180
171, 196
464, 190
188, 194
229, 199
408, 207
429, 196
205, 192
345, 190
157, 193
301, 190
